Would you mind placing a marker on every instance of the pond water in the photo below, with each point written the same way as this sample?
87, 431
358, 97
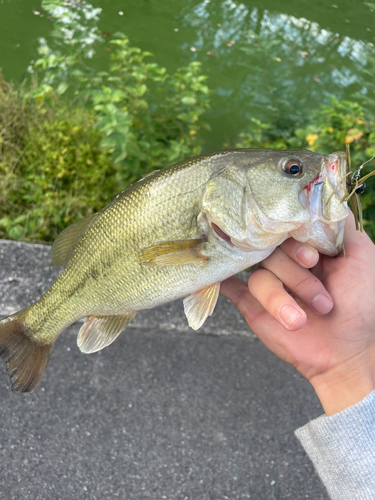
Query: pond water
261, 57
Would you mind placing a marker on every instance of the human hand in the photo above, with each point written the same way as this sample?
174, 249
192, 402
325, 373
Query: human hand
331, 344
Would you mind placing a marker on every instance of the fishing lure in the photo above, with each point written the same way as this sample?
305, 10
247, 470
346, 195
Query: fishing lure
355, 185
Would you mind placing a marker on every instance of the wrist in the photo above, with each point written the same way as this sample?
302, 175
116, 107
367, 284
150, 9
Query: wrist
346, 383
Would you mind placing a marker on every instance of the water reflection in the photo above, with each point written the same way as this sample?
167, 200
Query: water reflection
278, 66
264, 58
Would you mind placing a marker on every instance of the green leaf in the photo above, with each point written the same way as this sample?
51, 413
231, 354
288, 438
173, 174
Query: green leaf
300, 133
62, 87
106, 123
141, 89
133, 149
15, 232
189, 100
5, 221
185, 117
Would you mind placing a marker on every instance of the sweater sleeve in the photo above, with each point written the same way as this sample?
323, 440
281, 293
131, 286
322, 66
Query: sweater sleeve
342, 449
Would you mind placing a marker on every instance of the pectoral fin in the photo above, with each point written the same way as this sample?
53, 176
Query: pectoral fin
100, 331
172, 253
201, 304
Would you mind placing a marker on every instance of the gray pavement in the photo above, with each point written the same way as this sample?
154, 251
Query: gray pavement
163, 413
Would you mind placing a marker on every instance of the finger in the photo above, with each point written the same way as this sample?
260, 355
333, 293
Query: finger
270, 331
269, 291
300, 281
237, 292
356, 244
302, 253
259, 320
353, 237
351, 232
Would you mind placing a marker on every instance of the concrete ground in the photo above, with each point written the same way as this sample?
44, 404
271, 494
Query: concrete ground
163, 413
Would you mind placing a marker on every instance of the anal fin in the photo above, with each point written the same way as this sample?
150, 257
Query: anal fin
172, 253
100, 331
201, 304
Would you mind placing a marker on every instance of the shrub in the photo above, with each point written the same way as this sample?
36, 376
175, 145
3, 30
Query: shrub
77, 138
148, 117
74, 137
52, 168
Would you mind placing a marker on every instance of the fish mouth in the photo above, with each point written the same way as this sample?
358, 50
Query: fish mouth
322, 197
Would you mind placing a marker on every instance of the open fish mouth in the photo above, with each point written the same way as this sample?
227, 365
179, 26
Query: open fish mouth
323, 195
323, 198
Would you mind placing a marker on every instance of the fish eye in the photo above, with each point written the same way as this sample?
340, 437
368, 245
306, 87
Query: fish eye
293, 168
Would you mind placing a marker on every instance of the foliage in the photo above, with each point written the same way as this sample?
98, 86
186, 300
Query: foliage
52, 168
329, 129
148, 117
77, 138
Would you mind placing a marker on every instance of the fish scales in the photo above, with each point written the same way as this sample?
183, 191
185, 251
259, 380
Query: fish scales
109, 251
176, 233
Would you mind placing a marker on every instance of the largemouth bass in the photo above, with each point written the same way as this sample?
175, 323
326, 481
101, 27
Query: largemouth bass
177, 233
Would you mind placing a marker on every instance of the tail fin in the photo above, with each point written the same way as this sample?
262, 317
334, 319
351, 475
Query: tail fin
26, 359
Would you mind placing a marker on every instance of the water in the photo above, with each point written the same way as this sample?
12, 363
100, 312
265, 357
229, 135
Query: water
262, 57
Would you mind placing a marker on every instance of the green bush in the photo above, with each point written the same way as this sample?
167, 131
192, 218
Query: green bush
149, 118
52, 168
74, 137
71, 142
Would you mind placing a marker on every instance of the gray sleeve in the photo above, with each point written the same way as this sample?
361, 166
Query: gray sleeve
342, 449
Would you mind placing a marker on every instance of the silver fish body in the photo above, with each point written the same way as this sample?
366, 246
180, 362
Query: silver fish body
178, 233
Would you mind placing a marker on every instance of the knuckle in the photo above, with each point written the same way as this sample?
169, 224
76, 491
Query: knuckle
274, 300
256, 277
305, 283
240, 295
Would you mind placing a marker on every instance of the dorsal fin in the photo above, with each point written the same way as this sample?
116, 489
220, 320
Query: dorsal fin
66, 240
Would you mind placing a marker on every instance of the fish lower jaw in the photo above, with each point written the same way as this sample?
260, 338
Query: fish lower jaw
327, 237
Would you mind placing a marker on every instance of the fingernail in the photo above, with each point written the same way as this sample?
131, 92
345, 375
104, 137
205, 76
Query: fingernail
322, 304
290, 315
307, 255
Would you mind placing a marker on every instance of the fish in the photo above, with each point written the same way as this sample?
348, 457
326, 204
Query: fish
176, 234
